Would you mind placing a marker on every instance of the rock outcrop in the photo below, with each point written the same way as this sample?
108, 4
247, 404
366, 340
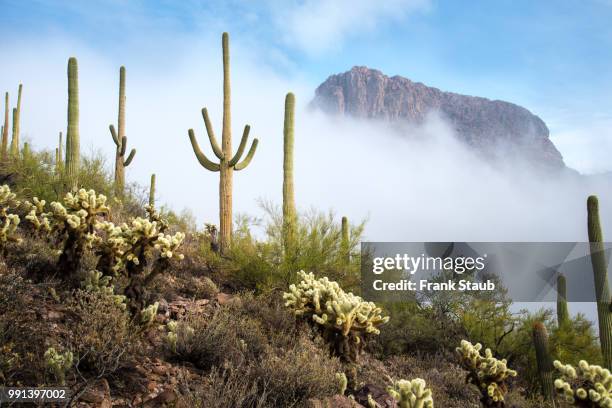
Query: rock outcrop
491, 126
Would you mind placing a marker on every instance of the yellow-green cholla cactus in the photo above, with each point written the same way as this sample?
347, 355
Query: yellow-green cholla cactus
58, 363
36, 215
411, 394
344, 318
134, 243
8, 221
147, 315
486, 372
75, 220
95, 281
585, 386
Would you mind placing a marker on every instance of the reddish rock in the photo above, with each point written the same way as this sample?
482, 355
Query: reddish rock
97, 393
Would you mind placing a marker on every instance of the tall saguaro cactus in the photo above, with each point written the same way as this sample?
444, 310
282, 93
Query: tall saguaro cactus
289, 211
152, 191
562, 310
5, 128
600, 272
73, 156
16, 118
227, 163
545, 365
59, 155
120, 139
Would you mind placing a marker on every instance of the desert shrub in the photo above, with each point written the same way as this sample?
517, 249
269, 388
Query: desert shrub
416, 328
279, 378
101, 333
223, 337
24, 336
289, 377
224, 387
262, 265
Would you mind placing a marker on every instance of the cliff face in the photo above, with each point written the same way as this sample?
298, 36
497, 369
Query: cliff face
494, 127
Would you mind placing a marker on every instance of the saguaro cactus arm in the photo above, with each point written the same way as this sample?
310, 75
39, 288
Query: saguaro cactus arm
204, 161
130, 157
122, 146
241, 146
234, 162
211, 135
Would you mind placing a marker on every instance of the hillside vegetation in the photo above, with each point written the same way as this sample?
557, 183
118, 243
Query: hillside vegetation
129, 304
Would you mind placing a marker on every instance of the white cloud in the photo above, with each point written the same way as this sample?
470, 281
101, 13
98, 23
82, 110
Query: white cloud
586, 148
316, 26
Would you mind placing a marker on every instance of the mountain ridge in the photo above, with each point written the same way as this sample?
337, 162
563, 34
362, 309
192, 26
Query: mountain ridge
490, 126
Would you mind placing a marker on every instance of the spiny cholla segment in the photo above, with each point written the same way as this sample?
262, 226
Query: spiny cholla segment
487, 372
36, 214
8, 221
129, 243
595, 384
80, 210
411, 393
332, 307
96, 282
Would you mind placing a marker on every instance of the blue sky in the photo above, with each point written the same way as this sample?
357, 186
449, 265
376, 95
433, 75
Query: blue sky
552, 57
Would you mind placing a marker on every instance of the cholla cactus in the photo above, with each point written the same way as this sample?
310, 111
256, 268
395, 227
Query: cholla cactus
411, 394
75, 220
344, 318
36, 214
58, 363
585, 386
96, 281
172, 335
130, 245
8, 221
342, 383
486, 372
147, 315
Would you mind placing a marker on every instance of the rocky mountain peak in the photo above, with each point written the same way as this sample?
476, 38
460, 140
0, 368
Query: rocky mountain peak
490, 126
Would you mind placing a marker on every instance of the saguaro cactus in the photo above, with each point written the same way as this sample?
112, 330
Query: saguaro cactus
73, 157
5, 128
545, 367
562, 310
59, 155
600, 271
227, 163
16, 116
289, 212
120, 139
152, 191
345, 241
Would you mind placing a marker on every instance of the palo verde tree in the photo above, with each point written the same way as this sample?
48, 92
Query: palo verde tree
227, 162
121, 140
